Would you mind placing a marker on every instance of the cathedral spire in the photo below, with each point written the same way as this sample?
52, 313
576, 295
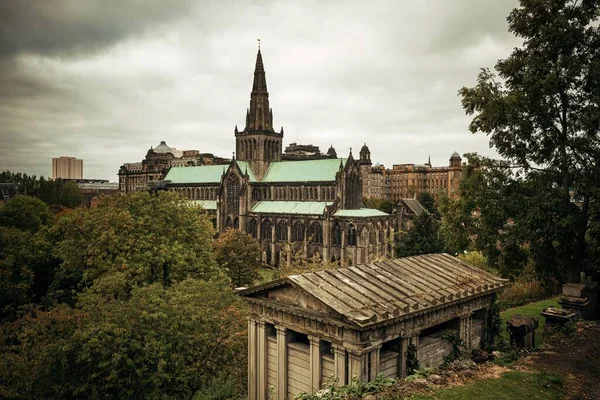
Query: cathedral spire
259, 116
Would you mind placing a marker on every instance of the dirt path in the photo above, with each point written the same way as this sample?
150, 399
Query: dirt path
578, 361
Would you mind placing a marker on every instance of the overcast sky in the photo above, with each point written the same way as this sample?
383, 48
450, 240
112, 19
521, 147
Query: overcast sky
103, 80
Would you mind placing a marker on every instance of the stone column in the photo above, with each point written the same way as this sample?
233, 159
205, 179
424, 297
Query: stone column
273, 260
282, 366
403, 357
374, 357
357, 365
339, 354
252, 361
262, 361
464, 330
315, 363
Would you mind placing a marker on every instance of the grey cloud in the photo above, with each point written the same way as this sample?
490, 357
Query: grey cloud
76, 27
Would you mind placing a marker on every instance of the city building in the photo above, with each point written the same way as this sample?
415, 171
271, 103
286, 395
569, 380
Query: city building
93, 189
67, 168
408, 180
308, 329
301, 203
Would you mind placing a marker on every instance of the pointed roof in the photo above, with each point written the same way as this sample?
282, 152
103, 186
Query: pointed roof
260, 83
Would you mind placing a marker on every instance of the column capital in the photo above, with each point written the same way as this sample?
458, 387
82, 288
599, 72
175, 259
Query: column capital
314, 340
260, 323
281, 330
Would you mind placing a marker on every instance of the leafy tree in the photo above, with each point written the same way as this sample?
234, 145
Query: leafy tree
239, 254
70, 195
130, 241
427, 201
422, 238
380, 204
161, 343
541, 110
25, 213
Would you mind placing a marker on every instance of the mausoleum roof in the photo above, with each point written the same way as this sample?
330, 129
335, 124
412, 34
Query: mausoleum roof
369, 294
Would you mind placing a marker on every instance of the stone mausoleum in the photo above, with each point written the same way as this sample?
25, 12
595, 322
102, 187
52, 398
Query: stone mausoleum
305, 330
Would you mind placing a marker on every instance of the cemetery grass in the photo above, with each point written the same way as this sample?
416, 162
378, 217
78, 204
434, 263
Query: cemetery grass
511, 385
530, 310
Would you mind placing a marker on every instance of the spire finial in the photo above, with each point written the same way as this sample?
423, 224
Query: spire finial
233, 155
258, 40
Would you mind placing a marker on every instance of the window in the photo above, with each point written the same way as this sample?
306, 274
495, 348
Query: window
316, 233
351, 235
266, 230
252, 228
281, 231
298, 232
336, 235
233, 195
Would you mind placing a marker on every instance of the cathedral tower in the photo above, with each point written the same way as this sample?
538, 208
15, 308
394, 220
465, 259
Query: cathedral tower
258, 143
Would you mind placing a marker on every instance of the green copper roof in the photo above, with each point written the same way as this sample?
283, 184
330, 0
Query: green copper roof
206, 204
245, 167
362, 213
199, 174
291, 207
204, 173
304, 171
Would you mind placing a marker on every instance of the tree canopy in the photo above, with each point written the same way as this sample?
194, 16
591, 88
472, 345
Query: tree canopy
239, 254
422, 238
541, 110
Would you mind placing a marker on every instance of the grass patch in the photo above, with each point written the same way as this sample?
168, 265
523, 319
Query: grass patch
511, 385
530, 310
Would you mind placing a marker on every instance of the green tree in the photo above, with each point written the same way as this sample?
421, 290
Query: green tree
541, 111
422, 238
25, 213
70, 195
427, 201
129, 241
239, 254
380, 204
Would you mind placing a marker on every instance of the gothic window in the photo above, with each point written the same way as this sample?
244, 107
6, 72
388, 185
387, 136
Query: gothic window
316, 233
266, 230
255, 194
228, 223
252, 228
298, 232
281, 231
336, 235
236, 223
233, 195
351, 235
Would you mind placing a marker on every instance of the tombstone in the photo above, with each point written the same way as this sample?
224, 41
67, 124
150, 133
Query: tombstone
555, 318
522, 330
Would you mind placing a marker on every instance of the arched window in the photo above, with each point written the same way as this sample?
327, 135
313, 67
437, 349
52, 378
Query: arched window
233, 195
281, 231
236, 223
316, 233
255, 194
228, 223
351, 235
336, 235
252, 228
298, 232
266, 230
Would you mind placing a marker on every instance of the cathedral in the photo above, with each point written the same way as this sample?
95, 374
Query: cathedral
292, 205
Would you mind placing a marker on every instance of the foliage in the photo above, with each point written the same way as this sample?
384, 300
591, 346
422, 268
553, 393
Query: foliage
412, 363
25, 213
161, 343
477, 259
354, 391
540, 109
494, 322
422, 238
130, 241
427, 201
386, 206
239, 254
458, 348
456, 218
52, 192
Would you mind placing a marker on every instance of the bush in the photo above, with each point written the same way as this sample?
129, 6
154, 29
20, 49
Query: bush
522, 292
354, 391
